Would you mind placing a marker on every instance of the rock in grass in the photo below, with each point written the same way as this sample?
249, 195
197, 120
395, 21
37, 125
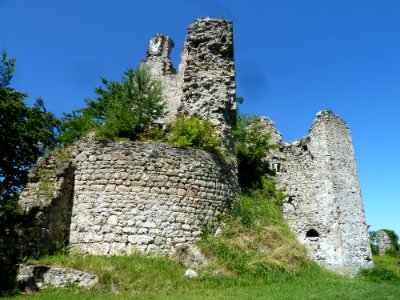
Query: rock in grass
33, 278
190, 273
189, 255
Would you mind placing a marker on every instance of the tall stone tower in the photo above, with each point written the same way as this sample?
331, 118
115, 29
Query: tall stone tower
205, 83
324, 206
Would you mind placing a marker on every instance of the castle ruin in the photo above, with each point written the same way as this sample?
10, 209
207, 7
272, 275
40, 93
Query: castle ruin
324, 206
204, 85
118, 197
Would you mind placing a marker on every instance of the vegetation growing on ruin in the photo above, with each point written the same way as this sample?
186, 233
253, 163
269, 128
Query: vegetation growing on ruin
122, 109
252, 143
193, 132
254, 240
255, 254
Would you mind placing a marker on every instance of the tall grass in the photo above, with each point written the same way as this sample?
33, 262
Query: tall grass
256, 241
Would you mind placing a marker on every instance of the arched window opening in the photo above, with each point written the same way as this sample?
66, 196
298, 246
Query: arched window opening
312, 233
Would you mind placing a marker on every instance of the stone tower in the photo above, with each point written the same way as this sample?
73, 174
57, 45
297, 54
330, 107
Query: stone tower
383, 240
324, 206
205, 83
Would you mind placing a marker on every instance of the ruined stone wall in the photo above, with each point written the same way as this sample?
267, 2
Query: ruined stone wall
205, 84
45, 205
145, 196
383, 240
45, 213
159, 63
209, 87
324, 206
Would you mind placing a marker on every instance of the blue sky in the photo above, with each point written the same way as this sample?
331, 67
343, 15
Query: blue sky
293, 59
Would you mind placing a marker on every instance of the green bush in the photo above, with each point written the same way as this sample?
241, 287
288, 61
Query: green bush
194, 132
133, 105
379, 273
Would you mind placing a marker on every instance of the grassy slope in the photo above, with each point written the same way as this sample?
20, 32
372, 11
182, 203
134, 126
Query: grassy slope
142, 277
255, 257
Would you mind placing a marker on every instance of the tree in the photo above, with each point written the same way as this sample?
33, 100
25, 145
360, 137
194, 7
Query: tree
252, 144
121, 110
26, 133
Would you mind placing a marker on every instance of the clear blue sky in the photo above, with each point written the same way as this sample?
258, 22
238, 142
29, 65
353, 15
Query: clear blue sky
293, 59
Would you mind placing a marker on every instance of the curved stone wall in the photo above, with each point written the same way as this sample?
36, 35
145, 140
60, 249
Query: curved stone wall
145, 196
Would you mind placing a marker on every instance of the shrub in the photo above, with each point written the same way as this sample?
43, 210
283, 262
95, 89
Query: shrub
252, 144
262, 205
373, 242
194, 132
379, 273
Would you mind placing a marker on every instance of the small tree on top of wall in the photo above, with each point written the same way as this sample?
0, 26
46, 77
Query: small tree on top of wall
122, 109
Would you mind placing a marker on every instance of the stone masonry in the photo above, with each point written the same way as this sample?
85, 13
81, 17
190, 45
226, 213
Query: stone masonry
145, 196
160, 66
383, 240
127, 197
46, 205
324, 205
205, 83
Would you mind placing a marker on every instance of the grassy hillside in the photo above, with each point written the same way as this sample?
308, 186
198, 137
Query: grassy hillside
255, 256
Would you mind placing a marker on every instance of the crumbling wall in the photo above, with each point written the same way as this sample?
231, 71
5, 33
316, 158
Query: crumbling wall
145, 196
383, 240
159, 63
324, 205
45, 206
205, 84
209, 87
45, 212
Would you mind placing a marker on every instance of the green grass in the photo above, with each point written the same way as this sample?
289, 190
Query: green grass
144, 277
255, 256
389, 262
